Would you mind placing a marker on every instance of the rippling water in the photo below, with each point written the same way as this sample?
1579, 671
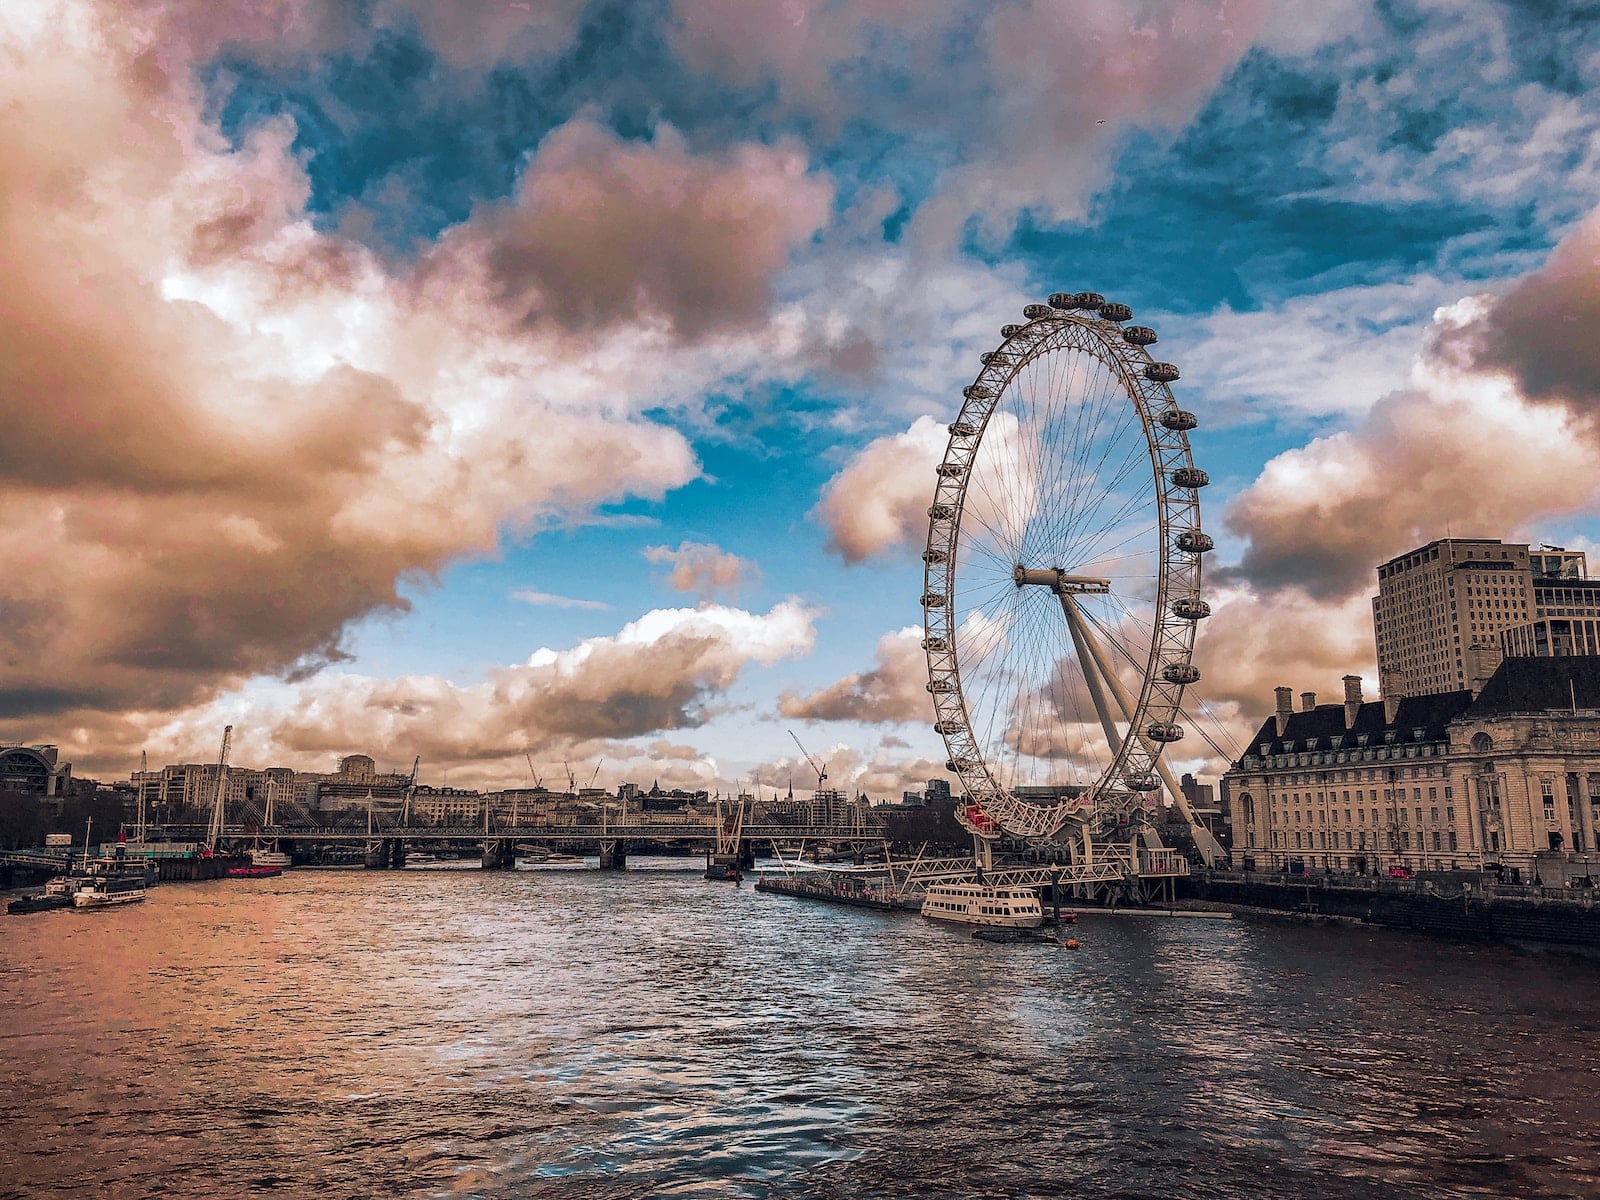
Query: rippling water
579, 1034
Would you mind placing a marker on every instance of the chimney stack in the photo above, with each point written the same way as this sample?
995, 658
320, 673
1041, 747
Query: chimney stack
1352, 700
1285, 698
1308, 701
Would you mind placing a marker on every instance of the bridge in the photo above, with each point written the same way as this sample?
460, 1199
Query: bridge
384, 837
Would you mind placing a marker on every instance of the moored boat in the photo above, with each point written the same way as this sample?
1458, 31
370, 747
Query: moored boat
255, 871
268, 858
105, 889
983, 905
39, 902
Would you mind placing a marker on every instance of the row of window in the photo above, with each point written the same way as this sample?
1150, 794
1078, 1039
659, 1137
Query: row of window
1320, 841
1392, 815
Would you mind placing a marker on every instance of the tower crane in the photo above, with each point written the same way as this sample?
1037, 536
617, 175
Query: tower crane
820, 768
538, 781
596, 774
572, 782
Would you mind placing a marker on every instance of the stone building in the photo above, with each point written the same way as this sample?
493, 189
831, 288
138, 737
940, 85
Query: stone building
1506, 779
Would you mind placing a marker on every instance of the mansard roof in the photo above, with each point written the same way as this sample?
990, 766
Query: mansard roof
1519, 685
1315, 730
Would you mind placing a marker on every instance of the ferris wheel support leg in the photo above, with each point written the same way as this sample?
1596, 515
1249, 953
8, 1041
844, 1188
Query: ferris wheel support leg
1207, 844
1089, 656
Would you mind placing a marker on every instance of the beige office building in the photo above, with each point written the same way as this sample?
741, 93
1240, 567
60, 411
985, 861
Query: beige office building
1446, 614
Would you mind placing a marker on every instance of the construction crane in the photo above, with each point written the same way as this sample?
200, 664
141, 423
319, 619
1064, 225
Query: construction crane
572, 782
820, 768
214, 832
596, 774
538, 782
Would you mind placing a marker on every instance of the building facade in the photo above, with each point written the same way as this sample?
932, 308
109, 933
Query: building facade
1509, 779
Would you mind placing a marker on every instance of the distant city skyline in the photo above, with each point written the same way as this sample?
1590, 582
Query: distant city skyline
486, 381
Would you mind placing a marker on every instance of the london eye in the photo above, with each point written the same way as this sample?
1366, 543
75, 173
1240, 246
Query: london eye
1062, 575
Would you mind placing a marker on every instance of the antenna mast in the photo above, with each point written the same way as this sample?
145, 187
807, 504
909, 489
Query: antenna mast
411, 786
144, 769
214, 833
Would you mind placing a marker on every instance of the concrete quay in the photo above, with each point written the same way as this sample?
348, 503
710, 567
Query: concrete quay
1466, 910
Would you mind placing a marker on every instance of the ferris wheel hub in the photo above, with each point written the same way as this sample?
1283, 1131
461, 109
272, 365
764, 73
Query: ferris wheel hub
1059, 581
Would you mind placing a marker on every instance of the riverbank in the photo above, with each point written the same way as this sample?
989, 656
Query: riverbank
1467, 914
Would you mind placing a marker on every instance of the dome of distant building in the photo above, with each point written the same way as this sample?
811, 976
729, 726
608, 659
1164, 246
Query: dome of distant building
357, 766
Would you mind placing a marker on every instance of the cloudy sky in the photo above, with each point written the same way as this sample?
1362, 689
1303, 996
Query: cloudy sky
565, 378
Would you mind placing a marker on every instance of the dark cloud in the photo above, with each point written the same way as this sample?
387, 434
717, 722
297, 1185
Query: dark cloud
1545, 332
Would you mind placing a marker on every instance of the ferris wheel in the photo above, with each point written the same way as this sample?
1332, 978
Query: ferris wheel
1062, 583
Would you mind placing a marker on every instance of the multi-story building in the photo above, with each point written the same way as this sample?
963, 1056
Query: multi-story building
1447, 613
1510, 777
33, 769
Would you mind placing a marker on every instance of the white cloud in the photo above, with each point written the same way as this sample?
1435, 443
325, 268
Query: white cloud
551, 600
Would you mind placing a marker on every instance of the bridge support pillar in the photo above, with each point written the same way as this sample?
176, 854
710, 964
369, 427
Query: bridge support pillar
747, 855
613, 856
499, 855
379, 856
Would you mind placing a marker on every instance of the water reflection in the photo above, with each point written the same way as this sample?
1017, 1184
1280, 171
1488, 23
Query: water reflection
579, 1034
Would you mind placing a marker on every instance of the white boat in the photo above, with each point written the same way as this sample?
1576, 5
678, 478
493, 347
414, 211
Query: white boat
978, 904
269, 858
104, 890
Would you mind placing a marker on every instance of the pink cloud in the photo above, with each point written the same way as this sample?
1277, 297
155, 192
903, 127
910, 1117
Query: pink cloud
1460, 450
892, 691
230, 435
603, 231
880, 499
703, 569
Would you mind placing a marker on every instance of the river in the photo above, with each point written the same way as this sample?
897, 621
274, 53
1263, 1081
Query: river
584, 1034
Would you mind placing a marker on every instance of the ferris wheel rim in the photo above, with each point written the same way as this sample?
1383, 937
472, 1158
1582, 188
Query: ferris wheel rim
1066, 325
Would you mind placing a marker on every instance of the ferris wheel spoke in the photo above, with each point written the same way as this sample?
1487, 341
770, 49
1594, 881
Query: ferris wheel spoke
1092, 487
1088, 428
